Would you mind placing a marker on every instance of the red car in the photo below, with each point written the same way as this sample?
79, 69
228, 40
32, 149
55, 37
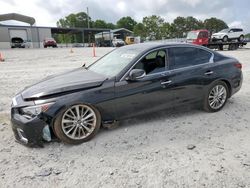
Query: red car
199, 37
49, 42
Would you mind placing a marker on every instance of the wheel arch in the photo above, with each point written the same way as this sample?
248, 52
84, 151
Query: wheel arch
65, 107
229, 86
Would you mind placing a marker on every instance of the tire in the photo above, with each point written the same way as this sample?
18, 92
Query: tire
225, 38
210, 101
241, 38
77, 130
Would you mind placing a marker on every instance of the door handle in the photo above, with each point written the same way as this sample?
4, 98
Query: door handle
208, 72
166, 82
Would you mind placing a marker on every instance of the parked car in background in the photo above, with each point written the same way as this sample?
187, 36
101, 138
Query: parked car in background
49, 42
229, 34
78, 45
129, 81
118, 42
17, 42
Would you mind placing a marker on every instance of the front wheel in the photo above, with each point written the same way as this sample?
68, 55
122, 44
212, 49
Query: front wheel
216, 97
77, 124
225, 38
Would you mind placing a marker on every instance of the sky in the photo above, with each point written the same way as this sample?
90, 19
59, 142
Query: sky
236, 13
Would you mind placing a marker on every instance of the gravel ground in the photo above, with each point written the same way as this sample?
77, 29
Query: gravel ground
181, 148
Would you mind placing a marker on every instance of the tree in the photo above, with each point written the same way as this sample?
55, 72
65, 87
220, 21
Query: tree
193, 24
126, 22
153, 27
111, 26
214, 25
99, 24
165, 30
247, 36
75, 20
181, 25
139, 30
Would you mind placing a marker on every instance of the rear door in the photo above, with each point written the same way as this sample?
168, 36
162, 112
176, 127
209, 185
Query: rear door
189, 68
233, 33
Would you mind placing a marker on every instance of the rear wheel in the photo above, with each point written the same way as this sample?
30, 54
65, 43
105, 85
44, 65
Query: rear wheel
225, 38
216, 97
241, 38
77, 124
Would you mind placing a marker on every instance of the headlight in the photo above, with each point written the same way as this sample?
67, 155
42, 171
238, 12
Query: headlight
32, 111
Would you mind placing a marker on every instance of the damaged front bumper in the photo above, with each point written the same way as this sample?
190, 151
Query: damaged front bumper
31, 132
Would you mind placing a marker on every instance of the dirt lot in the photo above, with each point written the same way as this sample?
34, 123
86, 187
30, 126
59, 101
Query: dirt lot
148, 151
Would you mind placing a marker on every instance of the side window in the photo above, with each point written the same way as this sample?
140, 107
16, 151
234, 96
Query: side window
202, 56
203, 35
151, 56
180, 57
152, 63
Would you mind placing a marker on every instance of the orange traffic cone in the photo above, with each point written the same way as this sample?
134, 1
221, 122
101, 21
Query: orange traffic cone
1, 57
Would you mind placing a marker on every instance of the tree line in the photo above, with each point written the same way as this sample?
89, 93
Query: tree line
152, 27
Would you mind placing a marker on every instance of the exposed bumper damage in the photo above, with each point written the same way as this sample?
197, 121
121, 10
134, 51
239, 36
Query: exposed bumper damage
30, 132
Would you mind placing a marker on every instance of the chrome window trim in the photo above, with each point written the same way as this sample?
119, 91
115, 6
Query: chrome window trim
211, 60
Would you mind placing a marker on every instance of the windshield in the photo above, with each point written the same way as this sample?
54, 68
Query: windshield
114, 62
224, 31
192, 35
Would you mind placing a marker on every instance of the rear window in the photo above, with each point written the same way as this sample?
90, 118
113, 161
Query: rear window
203, 34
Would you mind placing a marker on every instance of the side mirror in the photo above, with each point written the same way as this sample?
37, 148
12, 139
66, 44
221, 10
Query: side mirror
136, 74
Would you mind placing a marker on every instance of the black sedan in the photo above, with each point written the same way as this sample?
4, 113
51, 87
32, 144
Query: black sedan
128, 81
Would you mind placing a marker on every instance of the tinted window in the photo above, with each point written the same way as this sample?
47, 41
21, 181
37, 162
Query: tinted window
186, 56
154, 62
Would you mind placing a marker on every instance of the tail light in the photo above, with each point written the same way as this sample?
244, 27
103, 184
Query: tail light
238, 65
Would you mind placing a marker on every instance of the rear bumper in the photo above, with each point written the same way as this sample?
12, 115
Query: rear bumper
237, 83
28, 132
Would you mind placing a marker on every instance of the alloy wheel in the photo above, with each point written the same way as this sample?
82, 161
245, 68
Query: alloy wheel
78, 122
217, 97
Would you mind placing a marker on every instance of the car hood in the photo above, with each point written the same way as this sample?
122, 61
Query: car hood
217, 34
74, 80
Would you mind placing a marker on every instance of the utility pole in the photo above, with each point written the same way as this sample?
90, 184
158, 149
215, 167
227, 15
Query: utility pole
88, 23
88, 16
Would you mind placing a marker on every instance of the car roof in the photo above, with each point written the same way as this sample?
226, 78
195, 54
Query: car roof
152, 45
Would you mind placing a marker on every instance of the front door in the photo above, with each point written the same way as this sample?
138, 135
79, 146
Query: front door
150, 93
